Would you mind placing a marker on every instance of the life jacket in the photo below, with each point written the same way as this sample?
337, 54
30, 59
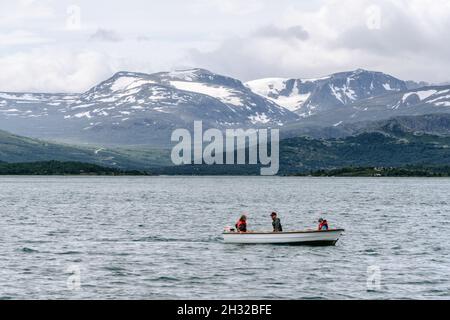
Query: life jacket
323, 225
241, 225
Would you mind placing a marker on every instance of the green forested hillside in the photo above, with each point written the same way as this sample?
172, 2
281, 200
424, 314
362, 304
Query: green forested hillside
391, 147
302, 155
367, 149
15, 148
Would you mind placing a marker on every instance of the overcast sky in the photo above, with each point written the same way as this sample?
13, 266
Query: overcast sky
69, 46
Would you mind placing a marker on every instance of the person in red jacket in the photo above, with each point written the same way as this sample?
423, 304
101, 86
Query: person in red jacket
323, 224
241, 225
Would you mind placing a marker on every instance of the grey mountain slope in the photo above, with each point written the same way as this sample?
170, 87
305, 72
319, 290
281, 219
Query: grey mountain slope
427, 100
411, 85
133, 108
309, 97
137, 108
349, 87
433, 124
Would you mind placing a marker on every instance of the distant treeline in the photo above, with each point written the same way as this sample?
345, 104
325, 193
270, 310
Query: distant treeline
61, 168
80, 168
408, 171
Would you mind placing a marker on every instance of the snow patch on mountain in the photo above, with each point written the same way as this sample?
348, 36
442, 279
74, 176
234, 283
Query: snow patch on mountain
425, 94
432, 96
445, 97
86, 114
224, 94
293, 101
121, 83
337, 93
388, 87
310, 96
273, 89
259, 118
126, 83
267, 86
10, 110
184, 75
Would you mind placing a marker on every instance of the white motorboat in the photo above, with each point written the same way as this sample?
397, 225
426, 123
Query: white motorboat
308, 237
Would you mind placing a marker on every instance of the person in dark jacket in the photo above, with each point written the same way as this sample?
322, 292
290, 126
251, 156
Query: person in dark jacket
241, 225
276, 223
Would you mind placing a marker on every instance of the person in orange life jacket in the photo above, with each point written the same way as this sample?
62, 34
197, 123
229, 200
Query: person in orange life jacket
323, 224
241, 225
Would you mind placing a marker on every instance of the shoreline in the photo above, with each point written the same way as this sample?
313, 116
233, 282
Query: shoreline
62, 168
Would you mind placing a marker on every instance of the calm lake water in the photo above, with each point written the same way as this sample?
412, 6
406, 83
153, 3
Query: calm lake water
160, 238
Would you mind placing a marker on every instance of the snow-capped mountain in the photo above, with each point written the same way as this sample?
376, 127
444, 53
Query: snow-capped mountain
140, 108
432, 96
289, 93
308, 97
421, 101
191, 94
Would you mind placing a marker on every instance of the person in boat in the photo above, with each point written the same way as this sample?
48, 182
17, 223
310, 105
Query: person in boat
241, 225
323, 224
276, 223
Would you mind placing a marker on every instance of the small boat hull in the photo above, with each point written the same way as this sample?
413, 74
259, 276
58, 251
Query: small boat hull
311, 238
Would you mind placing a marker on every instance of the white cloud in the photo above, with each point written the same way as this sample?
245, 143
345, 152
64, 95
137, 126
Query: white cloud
50, 70
291, 33
408, 40
245, 39
16, 12
233, 7
21, 37
105, 35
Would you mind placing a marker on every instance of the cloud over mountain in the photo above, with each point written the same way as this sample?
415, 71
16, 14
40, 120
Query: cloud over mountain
244, 39
405, 38
105, 35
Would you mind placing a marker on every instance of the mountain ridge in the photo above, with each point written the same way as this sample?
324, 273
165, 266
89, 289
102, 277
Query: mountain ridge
139, 108
134, 108
322, 93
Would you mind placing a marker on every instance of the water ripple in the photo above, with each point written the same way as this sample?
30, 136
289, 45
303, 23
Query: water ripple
160, 238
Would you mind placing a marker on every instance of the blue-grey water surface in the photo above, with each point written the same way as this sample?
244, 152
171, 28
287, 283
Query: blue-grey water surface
160, 238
